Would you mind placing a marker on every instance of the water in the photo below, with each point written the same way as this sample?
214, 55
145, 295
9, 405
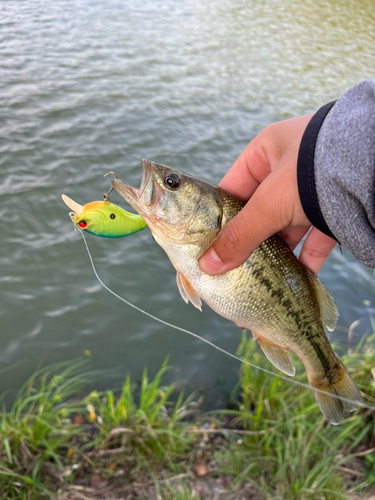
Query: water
92, 86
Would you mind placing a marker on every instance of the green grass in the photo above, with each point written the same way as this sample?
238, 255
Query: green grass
35, 432
296, 453
143, 423
273, 442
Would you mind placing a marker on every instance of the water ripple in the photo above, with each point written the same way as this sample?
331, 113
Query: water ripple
87, 87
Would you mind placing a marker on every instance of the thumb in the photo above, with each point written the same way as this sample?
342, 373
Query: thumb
261, 217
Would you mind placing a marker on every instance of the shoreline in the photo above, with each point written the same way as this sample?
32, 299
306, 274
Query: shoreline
146, 442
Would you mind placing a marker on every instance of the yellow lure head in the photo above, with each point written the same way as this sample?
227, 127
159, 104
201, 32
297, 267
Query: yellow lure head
104, 218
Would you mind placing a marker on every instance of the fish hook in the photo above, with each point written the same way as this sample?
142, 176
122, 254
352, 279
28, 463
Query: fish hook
106, 195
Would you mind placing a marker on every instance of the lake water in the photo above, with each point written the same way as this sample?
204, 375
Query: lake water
92, 86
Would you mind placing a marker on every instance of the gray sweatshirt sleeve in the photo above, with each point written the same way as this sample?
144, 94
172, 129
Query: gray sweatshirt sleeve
336, 171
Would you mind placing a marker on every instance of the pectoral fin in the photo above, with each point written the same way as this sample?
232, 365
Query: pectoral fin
278, 357
187, 291
327, 306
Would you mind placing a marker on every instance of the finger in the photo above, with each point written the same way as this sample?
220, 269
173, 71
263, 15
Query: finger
262, 155
293, 235
248, 171
256, 222
316, 249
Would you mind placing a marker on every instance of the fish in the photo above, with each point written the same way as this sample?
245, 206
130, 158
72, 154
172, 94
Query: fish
274, 295
104, 218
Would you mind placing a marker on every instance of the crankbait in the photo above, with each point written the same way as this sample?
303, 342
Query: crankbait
104, 218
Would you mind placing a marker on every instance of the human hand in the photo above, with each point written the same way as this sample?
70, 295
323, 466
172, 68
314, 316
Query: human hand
265, 174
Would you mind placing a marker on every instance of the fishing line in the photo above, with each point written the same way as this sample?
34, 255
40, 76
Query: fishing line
211, 344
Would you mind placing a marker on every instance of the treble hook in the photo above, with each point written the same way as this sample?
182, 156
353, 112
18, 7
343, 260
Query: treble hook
106, 195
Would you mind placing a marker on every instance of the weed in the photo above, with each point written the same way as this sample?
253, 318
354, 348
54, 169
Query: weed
273, 443
36, 432
298, 453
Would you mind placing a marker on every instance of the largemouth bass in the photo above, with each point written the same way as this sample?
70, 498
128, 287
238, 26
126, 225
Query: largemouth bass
272, 294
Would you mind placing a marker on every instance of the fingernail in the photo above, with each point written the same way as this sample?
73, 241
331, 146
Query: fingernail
210, 262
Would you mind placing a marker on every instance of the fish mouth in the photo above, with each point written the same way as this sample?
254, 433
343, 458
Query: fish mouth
148, 195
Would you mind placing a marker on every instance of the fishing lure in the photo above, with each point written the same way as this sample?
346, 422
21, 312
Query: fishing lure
104, 218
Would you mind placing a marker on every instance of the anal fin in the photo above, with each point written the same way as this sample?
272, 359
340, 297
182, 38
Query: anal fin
187, 291
277, 356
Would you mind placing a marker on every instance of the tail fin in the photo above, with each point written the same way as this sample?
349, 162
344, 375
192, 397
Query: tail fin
335, 409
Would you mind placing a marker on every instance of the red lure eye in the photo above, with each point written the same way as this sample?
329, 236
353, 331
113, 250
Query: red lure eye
82, 224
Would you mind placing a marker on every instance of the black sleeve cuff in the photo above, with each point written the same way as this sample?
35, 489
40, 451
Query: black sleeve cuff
306, 173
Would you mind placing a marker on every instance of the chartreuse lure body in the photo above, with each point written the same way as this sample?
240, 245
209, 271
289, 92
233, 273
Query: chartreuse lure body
104, 218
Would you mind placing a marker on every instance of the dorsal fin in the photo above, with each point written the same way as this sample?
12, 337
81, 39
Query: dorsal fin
187, 291
327, 307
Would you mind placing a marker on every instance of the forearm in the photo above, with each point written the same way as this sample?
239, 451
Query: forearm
336, 172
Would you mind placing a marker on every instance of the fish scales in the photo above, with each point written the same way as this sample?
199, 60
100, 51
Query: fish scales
250, 297
272, 293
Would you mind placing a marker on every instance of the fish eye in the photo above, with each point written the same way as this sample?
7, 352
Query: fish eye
82, 224
113, 216
172, 180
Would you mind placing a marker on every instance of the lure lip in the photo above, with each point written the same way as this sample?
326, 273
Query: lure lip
73, 205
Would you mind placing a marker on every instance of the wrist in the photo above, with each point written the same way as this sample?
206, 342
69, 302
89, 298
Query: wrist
306, 174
